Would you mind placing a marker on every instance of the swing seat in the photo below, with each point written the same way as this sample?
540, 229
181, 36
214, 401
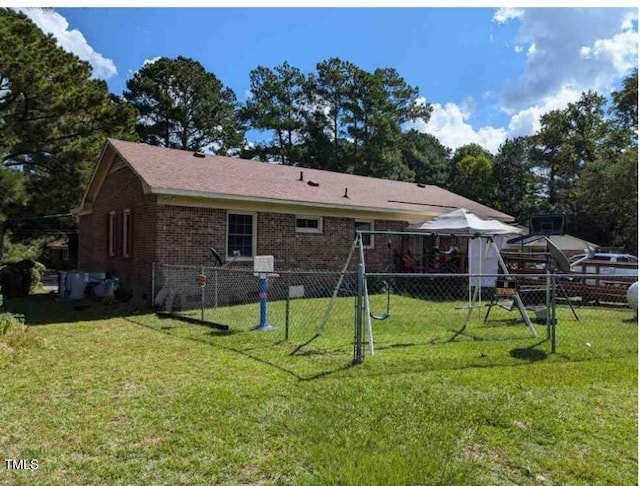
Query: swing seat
381, 317
507, 305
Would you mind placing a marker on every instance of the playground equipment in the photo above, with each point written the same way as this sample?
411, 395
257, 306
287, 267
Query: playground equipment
263, 267
488, 227
387, 314
541, 227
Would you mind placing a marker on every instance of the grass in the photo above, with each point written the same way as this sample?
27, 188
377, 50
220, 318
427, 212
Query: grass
114, 397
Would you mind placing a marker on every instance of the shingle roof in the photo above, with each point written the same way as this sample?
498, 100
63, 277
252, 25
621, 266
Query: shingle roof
177, 171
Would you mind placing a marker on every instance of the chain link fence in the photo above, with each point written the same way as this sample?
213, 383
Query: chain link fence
296, 301
441, 320
578, 316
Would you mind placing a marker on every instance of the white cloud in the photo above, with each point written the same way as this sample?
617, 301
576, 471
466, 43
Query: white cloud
527, 121
620, 51
71, 40
584, 48
151, 61
449, 123
504, 14
569, 51
531, 50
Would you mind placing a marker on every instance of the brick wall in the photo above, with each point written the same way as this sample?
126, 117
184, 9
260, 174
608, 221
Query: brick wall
322, 251
185, 234
182, 236
120, 190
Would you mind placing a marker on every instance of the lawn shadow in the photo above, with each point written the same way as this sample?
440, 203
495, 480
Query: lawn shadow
42, 309
530, 353
241, 351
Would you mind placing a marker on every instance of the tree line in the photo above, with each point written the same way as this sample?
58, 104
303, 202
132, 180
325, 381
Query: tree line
54, 118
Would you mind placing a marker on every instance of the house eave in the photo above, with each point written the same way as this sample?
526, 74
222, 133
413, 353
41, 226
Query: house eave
267, 200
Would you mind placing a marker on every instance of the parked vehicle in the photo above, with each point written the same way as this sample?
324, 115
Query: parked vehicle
612, 265
615, 258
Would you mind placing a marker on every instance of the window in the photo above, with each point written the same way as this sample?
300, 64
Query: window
65, 254
111, 234
365, 226
127, 233
308, 224
240, 236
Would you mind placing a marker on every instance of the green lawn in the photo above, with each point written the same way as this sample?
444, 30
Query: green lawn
114, 397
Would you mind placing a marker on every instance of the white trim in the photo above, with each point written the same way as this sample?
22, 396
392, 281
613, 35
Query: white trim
373, 224
234, 197
112, 234
254, 236
309, 230
126, 215
289, 209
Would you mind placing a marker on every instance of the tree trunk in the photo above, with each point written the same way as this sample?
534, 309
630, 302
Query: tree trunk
1, 240
281, 140
552, 185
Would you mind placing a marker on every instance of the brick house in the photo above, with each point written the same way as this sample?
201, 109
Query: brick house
147, 204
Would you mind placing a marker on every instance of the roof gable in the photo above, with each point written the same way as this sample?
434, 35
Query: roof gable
109, 161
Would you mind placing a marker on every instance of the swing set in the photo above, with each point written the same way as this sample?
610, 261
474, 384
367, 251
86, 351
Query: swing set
474, 288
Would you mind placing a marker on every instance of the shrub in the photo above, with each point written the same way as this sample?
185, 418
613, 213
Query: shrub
14, 334
21, 278
33, 249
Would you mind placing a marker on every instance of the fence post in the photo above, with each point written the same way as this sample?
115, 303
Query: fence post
153, 284
215, 288
554, 319
548, 305
202, 294
287, 304
358, 348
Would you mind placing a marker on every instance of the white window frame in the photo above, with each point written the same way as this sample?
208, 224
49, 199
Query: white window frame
373, 228
254, 236
112, 234
126, 214
309, 230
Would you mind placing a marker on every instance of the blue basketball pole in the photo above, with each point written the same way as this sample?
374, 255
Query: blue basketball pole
263, 325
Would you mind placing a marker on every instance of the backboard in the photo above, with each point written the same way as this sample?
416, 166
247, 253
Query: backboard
547, 224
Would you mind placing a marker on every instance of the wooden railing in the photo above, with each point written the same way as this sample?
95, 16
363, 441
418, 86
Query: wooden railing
597, 289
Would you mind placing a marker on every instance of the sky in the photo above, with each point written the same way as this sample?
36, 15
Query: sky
490, 73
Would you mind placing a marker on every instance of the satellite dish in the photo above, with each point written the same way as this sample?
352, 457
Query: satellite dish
559, 259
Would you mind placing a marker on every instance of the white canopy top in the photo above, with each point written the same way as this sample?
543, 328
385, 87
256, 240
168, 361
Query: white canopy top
463, 222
